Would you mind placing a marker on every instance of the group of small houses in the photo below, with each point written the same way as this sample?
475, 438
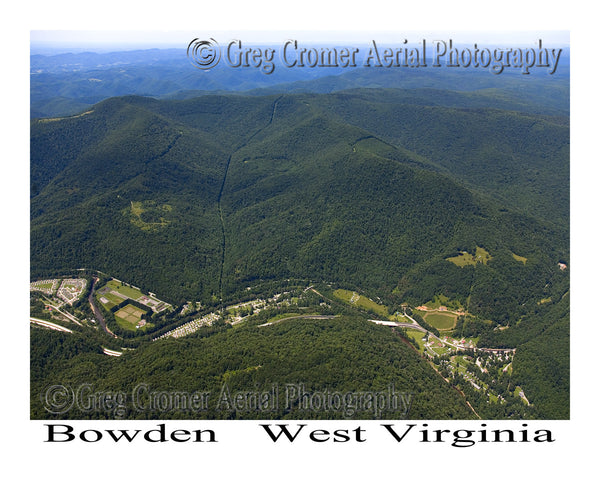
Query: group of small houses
68, 290
192, 326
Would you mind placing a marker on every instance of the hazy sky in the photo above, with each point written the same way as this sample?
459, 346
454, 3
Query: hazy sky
111, 39
128, 24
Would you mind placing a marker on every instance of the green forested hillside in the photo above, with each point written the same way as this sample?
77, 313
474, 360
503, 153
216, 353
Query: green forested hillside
202, 199
541, 363
259, 188
520, 158
341, 355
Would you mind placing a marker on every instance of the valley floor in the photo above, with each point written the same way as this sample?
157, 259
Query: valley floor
473, 370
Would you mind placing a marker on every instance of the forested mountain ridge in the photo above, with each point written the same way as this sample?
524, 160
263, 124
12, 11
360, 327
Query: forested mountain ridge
343, 355
69, 83
520, 158
291, 188
200, 199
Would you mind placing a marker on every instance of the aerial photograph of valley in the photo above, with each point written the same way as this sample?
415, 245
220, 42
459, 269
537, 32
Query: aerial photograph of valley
226, 228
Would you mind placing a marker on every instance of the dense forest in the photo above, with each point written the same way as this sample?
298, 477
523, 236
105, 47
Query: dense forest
374, 189
344, 355
337, 202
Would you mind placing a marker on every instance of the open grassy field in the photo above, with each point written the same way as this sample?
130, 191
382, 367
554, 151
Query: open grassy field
440, 350
482, 255
418, 336
360, 301
129, 316
462, 259
518, 258
130, 313
115, 299
441, 300
441, 320
126, 290
138, 209
109, 300
465, 258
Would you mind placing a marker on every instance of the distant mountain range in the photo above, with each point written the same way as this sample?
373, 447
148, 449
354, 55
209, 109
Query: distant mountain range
67, 83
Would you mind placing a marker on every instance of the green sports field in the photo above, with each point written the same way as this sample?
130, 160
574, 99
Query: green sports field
126, 290
130, 314
441, 320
